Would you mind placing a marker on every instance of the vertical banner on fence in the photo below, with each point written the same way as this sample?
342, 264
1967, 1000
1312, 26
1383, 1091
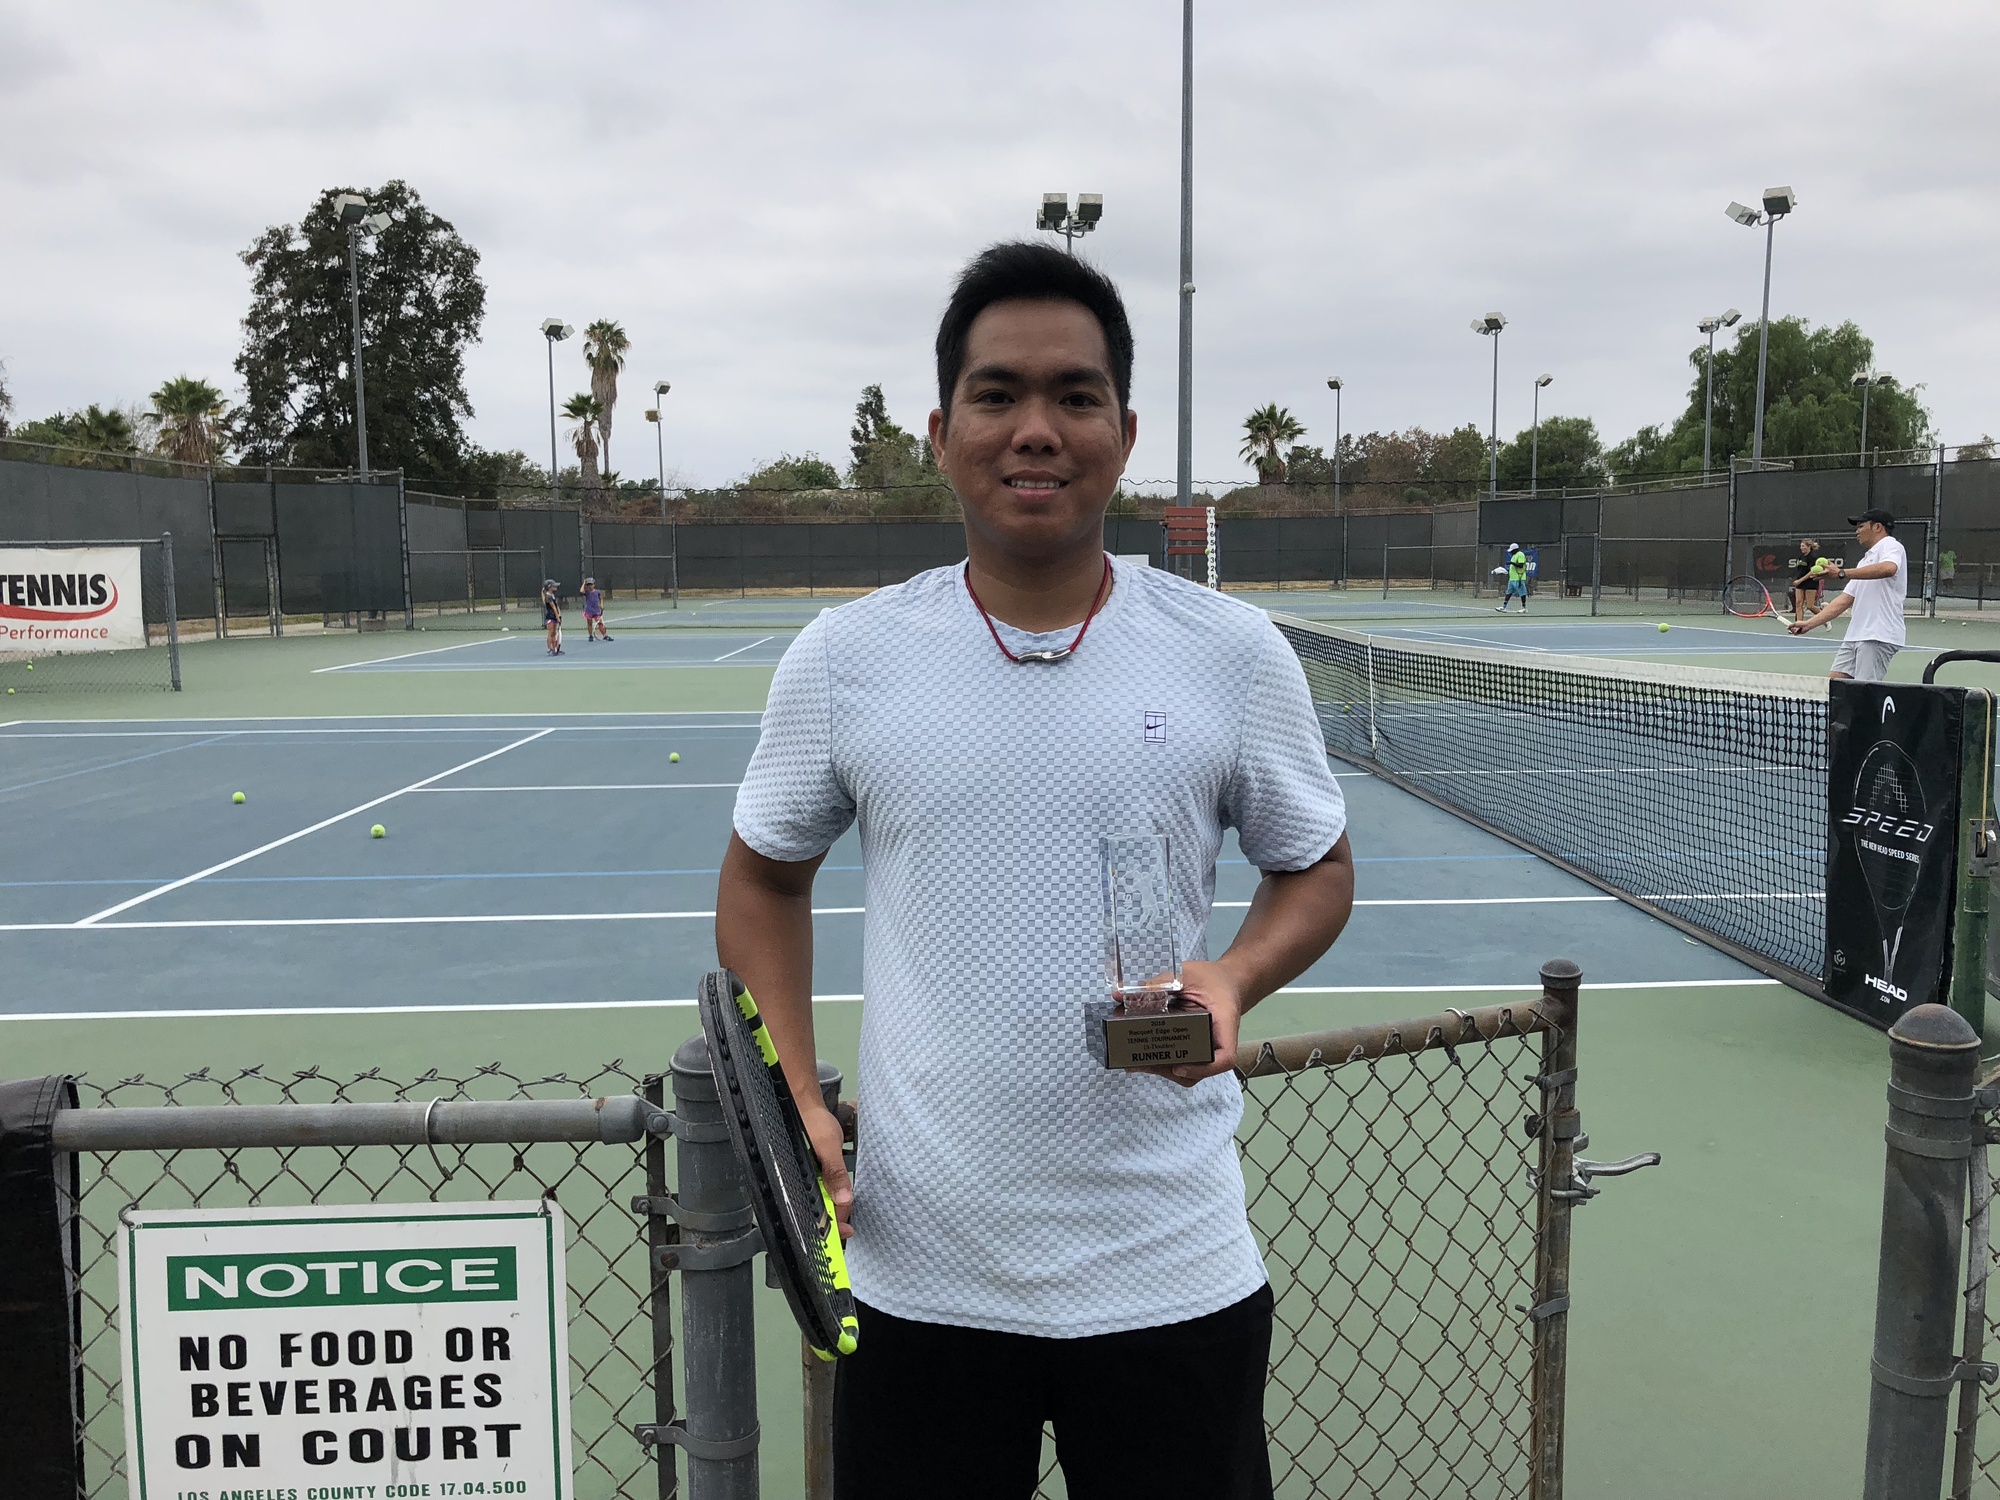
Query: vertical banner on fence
1892, 840
329, 1349
71, 599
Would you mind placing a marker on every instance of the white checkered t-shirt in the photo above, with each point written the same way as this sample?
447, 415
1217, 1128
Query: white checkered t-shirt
1006, 1180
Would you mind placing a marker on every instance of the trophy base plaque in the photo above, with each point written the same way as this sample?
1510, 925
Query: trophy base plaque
1118, 1038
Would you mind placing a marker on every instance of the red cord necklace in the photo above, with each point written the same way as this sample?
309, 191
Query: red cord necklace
1057, 653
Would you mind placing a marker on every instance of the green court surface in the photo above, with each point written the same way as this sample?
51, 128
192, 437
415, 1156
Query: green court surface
543, 900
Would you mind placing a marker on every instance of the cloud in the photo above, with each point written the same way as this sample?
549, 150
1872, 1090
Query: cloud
772, 197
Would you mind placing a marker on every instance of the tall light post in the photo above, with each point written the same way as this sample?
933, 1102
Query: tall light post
1535, 442
658, 417
1864, 380
555, 330
1333, 384
1490, 326
352, 209
1708, 326
1778, 202
1056, 216
1184, 457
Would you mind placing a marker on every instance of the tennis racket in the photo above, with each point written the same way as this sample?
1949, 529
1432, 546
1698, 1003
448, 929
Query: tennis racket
1747, 599
793, 1207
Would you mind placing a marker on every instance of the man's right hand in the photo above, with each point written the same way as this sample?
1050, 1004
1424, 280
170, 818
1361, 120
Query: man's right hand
825, 1133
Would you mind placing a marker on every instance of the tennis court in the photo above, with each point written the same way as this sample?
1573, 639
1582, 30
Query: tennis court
542, 897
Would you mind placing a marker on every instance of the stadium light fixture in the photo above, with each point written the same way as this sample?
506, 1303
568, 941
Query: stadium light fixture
1778, 202
1336, 385
657, 417
1708, 326
351, 212
1490, 326
554, 330
1864, 380
1057, 217
1535, 442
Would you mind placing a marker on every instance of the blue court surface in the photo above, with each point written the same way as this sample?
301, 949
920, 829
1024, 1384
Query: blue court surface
565, 860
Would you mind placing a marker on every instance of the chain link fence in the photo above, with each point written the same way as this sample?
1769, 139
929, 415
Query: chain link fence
613, 1361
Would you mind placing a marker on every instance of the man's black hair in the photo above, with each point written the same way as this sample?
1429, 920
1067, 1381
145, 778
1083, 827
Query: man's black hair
1021, 270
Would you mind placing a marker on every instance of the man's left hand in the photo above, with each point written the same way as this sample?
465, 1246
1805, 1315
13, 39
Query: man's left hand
1208, 985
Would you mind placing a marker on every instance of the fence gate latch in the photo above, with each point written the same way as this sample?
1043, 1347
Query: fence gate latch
1582, 1170
1984, 859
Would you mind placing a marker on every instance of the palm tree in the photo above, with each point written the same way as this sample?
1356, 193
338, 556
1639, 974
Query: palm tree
1263, 430
604, 346
588, 414
191, 416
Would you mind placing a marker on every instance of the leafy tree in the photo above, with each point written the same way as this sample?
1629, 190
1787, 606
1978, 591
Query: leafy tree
806, 471
1571, 454
604, 346
1811, 404
583, 409
421, 305
6, 399
1263, 430
1305, 465
872, 425
885, 455
191, 420
95, 429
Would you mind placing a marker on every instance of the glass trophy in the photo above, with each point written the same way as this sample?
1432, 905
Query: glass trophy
1143, 1021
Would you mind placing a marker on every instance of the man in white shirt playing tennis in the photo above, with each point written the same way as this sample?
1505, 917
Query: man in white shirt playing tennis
1876, 589
1036, 1238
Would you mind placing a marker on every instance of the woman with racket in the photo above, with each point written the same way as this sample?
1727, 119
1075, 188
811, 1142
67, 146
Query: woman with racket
552, 615
1808, 567
1035, 1238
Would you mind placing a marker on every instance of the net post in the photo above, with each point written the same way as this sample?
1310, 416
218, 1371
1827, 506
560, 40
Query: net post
173, 611
718, 1329
1978, 848
1933, 1055
661, 1236
816, 1373
1559, 1126
41, 1379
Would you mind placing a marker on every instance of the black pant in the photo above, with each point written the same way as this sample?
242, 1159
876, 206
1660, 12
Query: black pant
928, 1411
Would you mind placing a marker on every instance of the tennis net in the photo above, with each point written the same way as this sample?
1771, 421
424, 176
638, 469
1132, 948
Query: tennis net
1697, 795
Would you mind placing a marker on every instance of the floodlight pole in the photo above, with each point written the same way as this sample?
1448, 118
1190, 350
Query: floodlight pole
660, 446
1493, 436
1764, 339
354, 304
1708, 403
1535, 441
554, 469
1337, 385
1184, 459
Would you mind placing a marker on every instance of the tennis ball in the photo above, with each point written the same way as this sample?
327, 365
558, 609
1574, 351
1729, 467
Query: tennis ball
674, 756
10, 692
31, 666
236, 797
1663, 627
378, 831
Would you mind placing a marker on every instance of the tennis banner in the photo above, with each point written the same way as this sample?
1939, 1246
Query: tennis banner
1892, 844
382, 1349
70, 599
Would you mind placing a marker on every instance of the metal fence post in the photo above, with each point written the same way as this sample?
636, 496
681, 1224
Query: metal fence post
1935, 549
215, 555
718, 1334
403, 535
1560, 1125
1933, 1054
817, 1373
662, 1237
173, 611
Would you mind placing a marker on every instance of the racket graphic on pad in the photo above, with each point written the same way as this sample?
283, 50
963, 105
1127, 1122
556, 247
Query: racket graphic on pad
794, 1210
1890, 799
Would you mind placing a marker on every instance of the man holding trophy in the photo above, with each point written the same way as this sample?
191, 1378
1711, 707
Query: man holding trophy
1043, 749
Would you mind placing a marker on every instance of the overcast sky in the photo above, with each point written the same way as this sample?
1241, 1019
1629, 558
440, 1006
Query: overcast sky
772, 198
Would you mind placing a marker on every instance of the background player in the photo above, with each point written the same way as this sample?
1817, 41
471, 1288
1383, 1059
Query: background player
1517, 578
552, 615
593, 612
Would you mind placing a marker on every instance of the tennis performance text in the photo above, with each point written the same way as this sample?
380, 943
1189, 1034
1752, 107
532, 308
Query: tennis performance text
61, 599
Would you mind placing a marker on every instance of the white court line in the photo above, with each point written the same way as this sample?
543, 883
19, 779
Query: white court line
636, 786
403, 655
741, 649
337, 1011
457, 919
168, 734
174, 885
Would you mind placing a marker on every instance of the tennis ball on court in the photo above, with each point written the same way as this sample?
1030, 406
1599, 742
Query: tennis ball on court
236, 797
378, 831
31, 666
10, 692
674, 755
1663, 627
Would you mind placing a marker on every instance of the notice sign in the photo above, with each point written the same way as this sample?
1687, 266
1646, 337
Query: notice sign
368, 1353
1892, 844
70, 599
